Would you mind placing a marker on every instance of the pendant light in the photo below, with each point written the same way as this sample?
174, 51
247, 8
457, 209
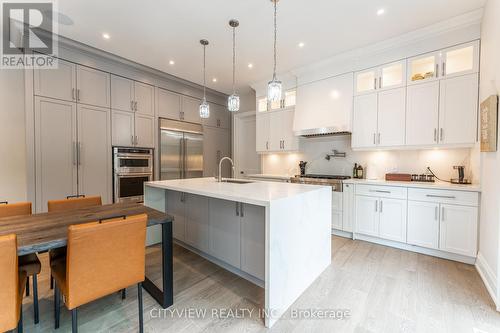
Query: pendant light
204, 106
274, 87
233, 101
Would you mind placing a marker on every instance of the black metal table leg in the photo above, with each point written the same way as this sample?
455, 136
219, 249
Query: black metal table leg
164, 297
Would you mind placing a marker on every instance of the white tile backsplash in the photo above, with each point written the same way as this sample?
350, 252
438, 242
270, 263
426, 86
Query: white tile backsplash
376, 163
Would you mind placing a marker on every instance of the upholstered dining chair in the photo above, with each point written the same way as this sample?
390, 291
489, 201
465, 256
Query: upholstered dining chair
12, 282
64, 205
103, 257
30, 262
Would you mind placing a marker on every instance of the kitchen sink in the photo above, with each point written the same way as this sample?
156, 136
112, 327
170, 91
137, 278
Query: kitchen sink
236, 181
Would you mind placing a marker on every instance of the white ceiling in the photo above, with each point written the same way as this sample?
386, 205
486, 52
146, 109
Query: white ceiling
152, 32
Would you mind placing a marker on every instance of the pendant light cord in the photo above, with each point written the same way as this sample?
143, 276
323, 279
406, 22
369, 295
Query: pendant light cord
234, 59
275, 37
204, 72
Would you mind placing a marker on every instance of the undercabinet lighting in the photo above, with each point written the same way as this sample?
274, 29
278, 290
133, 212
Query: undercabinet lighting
106, 36
171, 62
301, 44
214, 79
381, 11
250, 65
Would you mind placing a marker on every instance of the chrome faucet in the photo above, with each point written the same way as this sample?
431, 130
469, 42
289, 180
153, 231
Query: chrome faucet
219, 177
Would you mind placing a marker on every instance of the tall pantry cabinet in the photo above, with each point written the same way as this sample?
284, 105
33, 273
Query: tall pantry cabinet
72, 133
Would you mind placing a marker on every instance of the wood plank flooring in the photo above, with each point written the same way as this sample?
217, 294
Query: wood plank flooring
383, 289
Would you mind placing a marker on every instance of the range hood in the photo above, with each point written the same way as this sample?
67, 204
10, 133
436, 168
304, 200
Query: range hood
324, 107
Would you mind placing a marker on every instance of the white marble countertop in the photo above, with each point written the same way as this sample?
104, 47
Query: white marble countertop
269, 176
437, 185
258, 193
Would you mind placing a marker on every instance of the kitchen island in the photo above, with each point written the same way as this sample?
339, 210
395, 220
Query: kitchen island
276, 235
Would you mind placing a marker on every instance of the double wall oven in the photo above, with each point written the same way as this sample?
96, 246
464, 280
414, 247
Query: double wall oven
132, 167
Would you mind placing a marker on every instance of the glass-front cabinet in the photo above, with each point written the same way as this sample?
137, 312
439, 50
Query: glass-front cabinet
287, 102
454, 61
384, 77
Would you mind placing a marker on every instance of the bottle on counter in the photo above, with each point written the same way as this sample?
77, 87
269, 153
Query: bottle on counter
355, 171
360, 172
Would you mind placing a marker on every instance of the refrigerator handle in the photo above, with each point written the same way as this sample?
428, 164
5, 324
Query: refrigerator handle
185, 157
181, 168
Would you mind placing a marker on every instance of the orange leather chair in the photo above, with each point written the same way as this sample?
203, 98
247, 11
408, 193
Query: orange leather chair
64, 205
103, 258
12, 282
30, 262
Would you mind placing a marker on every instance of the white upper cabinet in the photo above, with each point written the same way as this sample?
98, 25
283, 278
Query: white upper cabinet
122, 93
288, 101
458, 110
422, 114
93, 87
262, 132
364, 133
191, 109
391, 118
388, 76
423, 68
169, 105
274, 132
123, 128
144, 131
59, 83
144, 99
366, 81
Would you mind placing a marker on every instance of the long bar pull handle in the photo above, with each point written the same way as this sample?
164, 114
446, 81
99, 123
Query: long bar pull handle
375, 84
381, 206
73, 151
73, 95
132, 105
442, 213
374, 138
376, 206
441, 134
242, 214
79, 153
380, 82
237, 208
381, 191
444, 69
78, 94
441, 196
435, 135
436, 74
436, 213
378, 138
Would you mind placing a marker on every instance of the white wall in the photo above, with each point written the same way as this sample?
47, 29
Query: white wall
376, 163
12, 136
490, 162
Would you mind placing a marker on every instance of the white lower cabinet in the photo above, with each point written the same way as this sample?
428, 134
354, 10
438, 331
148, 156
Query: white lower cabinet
225, 231
197, 221
367, 217
392, 223
176, 208
253, 240
337, 222
458, 229
423, 224
347, 207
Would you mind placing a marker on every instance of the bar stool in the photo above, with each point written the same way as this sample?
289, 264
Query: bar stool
12, 282
30, 262
103, 257
71, 202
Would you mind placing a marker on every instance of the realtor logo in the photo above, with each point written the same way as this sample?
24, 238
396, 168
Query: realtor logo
28, 35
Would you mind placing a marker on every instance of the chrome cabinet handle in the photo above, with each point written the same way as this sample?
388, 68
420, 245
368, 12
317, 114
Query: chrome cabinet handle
381, 191
78, 94
381, 206
440, 196
132, 140
135, 105
375, 84
436, 213
374, 138
379, 138
267, 145
443, 73
132, 105
79, 153
435, 135
73, 94
441, 135
376, 206
436, 74
73, 150
242, 214
380, 82
442, 213
237, 208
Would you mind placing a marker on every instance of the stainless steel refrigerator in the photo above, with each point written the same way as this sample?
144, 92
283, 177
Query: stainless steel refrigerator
181, 150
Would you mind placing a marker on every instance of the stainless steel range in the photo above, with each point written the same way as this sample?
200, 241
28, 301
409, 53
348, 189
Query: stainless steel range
335, 181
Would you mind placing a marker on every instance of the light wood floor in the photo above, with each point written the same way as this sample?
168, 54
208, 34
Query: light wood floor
385, 290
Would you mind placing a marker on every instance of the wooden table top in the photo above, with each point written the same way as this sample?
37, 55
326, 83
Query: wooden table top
45, 231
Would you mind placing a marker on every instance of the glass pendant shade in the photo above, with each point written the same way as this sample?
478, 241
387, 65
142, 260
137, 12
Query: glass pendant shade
274, 91
233, 103
204, 109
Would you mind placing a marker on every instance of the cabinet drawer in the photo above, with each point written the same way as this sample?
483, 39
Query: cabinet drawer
444, 196
393, 192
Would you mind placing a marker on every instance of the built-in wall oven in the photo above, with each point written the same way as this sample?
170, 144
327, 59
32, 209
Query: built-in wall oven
132, 167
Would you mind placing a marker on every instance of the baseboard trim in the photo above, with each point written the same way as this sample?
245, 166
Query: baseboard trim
489, 278
341, 233
418, 249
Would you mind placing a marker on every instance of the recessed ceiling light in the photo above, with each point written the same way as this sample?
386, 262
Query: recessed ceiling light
214, 79
106, 36
250, 65
171, 62
381, 11
301, 44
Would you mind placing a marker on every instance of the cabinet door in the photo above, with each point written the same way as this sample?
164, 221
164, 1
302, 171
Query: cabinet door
460, 60
122, 93
122, 128
218, 117
94, 152
197, 221
275, 131
169, 105
337, 210
175, 207
59, 83
423, 68
391, 117
93, 87
253, 240
365, 121
392, 75
458, 110
225, 231
347, 207
55, 144
290, 141
458, 232
262, 132
366, 81
191, 109
144, 98
216, 143
392, 224
367, 216
144, 131
423, 224
422, 114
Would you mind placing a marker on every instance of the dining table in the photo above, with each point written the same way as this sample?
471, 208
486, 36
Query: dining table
46, 231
